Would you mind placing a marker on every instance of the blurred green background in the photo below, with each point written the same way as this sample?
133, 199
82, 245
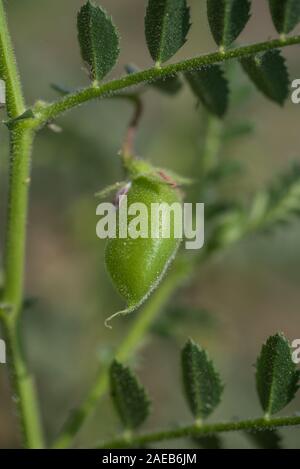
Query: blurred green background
250, 292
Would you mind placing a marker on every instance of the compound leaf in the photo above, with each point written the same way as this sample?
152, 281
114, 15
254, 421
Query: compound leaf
285, 14
278, 203
129, 397
211, 87
269, 74
167, 23
98, 39
202, 384
276, 375
227, 19
271, 207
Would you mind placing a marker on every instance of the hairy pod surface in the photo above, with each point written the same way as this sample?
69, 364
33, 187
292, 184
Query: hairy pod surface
136, 266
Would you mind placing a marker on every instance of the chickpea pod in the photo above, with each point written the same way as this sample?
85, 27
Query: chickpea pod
136, 266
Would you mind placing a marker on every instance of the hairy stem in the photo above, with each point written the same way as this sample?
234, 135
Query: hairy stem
22, 133
23, 387
21, 139
25, 397
198, 431
179, 271
9, 71
72, 100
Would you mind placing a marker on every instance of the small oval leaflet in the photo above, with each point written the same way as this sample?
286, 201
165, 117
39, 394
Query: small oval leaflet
167, 24
129, 396
98, 39
285, 14
211, 87
277, 378
202, 384
227, 19
269, 74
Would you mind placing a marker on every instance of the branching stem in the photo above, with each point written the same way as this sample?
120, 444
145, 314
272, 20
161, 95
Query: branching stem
22, 126
144, 319
64, 104
21, 139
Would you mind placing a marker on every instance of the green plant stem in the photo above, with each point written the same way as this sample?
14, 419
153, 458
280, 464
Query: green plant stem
144, 319
23, 387
21, 139
51, 111
8, 70
181, 270
20, 155
200, 430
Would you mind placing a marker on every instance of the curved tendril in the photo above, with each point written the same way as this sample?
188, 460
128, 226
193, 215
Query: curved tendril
124, 312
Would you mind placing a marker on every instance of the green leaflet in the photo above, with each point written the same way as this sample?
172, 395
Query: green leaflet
202, 384
98, 39
213, 441
60, 89
211, 87
167, 23
281, 201
169, 324
269, 74
227, 19
272, 206
265, 439
170, 85
276, 375
129, 396
285, 14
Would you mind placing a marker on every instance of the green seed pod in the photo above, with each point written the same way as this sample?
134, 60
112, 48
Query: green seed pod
137, 266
